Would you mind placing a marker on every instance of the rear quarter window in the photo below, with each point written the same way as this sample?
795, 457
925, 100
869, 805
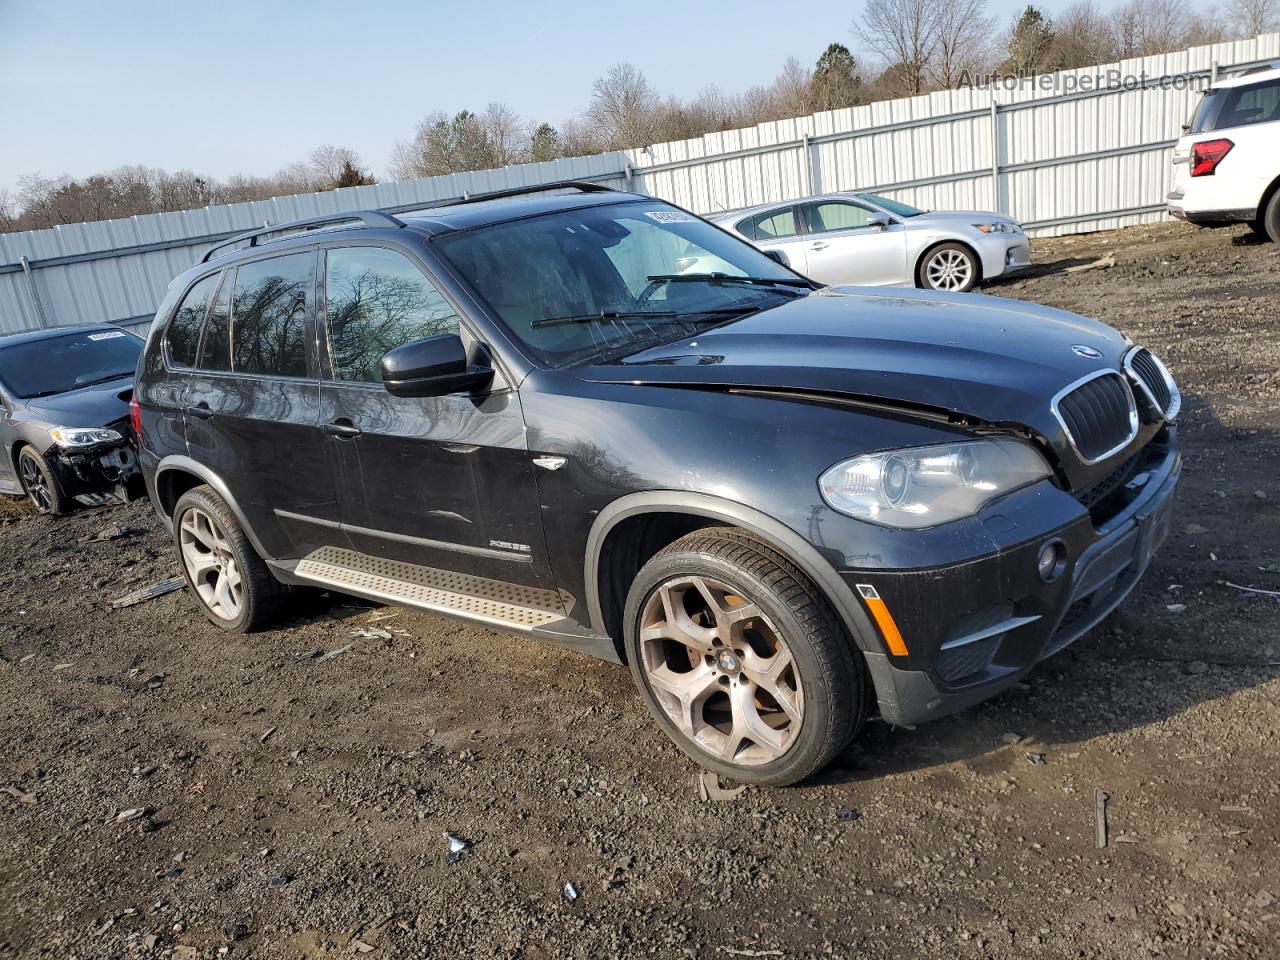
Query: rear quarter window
183, 336
1238, 107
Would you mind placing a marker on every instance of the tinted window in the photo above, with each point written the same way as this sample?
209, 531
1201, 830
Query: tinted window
269, 316
893, 206
825, 217
376, 300
39, 368
1241, 106
771, 226
1238, 107
183, 336
747, 227
215, 345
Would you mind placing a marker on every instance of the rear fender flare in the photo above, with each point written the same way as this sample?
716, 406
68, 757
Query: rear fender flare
187, 465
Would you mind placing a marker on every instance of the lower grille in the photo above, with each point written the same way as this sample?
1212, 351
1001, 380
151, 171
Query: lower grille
1099, 415
959, 662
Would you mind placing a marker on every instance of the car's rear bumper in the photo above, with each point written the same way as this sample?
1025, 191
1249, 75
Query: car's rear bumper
974, 629
1176, 204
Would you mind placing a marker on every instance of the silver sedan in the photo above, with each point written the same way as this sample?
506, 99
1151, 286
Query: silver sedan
868, 240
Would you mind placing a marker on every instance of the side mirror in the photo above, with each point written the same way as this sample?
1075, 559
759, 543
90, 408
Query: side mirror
878, 220
777, 255
431, 368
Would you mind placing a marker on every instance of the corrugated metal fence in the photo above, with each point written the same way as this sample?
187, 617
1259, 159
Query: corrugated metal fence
1070, 152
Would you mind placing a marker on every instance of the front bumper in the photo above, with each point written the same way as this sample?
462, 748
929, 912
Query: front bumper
975, 628
1004, 253
97, 474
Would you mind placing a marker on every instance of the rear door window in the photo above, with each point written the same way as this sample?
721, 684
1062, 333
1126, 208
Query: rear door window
183, 336
269, 315
375, 300
215, 343
777, 225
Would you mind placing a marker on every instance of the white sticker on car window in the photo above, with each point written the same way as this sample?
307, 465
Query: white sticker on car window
670, 216
108, 335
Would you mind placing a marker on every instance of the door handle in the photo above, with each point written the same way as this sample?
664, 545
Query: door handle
200, 411
818, 245
342, 428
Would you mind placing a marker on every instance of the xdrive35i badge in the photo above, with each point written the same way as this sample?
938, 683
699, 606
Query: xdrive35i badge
1081, 350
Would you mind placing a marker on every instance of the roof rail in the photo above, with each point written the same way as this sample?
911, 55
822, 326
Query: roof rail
584, 185
370, 218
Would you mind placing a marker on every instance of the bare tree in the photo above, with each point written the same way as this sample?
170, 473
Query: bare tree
1142, 28
623, 107
964, 40
1252, 17
905, 33
328, 163
1082, 38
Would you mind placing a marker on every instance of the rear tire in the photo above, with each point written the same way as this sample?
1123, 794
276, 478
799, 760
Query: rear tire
741, 660
949, 267
41, 484
232, 584
1270, 219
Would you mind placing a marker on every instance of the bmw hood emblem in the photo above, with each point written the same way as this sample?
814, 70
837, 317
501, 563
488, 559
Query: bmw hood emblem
1088, 352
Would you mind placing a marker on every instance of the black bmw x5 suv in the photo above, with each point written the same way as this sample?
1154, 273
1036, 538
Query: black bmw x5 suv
593, 417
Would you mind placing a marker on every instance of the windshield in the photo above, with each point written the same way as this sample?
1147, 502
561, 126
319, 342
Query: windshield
606, 280
40, 368
893, 206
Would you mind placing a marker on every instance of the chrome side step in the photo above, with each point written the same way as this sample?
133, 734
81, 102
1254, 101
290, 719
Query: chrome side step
506, 605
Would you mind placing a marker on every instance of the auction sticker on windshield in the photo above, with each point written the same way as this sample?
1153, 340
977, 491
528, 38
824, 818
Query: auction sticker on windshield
109, 335
670, 216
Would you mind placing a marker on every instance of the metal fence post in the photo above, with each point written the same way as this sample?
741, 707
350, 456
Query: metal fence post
995, 154
808, 165
36, 306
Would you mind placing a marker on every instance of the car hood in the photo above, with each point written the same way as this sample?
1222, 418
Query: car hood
957, 218
970, 357
94, 406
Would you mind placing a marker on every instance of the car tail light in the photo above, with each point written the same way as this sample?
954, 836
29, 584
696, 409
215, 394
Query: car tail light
135, 416
1206, 156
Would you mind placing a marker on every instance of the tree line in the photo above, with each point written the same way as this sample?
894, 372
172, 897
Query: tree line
916, 46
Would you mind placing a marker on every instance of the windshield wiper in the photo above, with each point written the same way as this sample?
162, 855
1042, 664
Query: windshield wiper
718, 278
108, 377
604, 315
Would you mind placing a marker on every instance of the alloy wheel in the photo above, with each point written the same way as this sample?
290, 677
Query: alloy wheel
949, 270
211, 564
34, 483
720, 670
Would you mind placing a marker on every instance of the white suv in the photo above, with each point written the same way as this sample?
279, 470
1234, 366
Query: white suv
1226, 167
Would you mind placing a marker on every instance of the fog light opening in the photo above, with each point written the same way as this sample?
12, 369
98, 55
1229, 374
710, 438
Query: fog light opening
1052, 560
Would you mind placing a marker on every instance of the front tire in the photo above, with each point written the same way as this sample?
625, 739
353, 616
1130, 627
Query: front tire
741, 660
41, 484
951, 267
232, 584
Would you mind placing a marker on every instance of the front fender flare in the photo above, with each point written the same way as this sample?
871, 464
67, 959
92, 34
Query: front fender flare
771, 531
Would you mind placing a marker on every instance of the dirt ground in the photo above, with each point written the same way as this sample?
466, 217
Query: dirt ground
167, 790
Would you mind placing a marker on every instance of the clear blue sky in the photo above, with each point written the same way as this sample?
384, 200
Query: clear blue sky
229, 86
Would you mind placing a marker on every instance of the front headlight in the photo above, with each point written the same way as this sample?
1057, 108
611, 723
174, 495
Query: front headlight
996, 227
926, 486
83, 436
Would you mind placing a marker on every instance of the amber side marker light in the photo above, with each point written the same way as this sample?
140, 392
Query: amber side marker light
884, 619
